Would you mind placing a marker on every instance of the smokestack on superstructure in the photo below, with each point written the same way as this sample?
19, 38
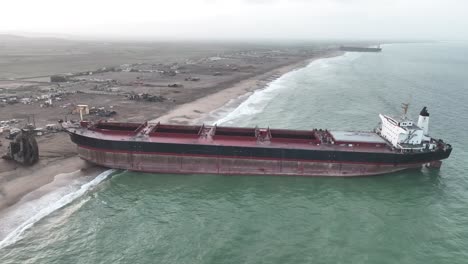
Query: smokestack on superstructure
423, 121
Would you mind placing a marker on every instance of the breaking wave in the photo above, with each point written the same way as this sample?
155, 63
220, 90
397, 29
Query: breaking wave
214, 116
258, 100
254, 104
30, 212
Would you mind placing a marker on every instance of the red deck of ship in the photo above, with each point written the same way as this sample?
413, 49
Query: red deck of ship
226, 136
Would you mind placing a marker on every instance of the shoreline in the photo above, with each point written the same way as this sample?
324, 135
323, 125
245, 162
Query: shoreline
38, 180
196, 112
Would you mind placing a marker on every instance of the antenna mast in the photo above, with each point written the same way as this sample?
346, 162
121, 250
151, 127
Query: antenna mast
405, 107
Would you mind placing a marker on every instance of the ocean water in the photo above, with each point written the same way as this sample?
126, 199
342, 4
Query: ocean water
407, 217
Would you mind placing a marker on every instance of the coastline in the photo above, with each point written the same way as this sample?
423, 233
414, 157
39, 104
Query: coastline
197, 112
20, 183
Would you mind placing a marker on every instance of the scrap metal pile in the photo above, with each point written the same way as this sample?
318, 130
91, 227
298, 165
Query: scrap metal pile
146, 97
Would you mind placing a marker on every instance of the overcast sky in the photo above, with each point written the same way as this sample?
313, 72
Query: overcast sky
240, 19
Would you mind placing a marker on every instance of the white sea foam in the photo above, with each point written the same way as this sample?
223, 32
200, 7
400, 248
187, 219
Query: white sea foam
257, 101
30, 212
215, 115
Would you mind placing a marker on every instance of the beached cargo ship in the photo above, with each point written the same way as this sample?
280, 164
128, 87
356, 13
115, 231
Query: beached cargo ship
396, 145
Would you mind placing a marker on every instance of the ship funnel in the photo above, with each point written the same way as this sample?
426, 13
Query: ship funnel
423, 121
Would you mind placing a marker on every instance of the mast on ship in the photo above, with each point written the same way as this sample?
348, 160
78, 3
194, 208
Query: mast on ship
405, 107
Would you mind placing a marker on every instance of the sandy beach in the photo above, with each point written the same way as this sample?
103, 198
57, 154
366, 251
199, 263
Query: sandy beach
58, 157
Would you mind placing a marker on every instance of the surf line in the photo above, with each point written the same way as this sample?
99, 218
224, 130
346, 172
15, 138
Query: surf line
16, 234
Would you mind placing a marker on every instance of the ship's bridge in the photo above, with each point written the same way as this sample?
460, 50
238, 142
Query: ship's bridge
402, 133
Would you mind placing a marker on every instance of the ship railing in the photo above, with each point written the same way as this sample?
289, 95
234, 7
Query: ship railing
263, 134
324, 136
205, 131
201, 129
141, 127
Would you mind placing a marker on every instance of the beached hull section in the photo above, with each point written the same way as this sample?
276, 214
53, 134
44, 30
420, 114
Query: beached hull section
162, 163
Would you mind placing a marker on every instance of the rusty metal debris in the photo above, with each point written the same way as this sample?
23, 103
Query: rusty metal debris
23, 149
193, 79
146, 97
102, 112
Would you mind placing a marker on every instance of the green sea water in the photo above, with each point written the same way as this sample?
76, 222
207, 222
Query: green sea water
417, 216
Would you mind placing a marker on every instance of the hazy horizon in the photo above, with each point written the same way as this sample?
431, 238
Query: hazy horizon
239, 19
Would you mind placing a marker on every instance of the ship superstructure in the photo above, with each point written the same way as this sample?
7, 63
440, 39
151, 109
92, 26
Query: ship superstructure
404, 134
397, 144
